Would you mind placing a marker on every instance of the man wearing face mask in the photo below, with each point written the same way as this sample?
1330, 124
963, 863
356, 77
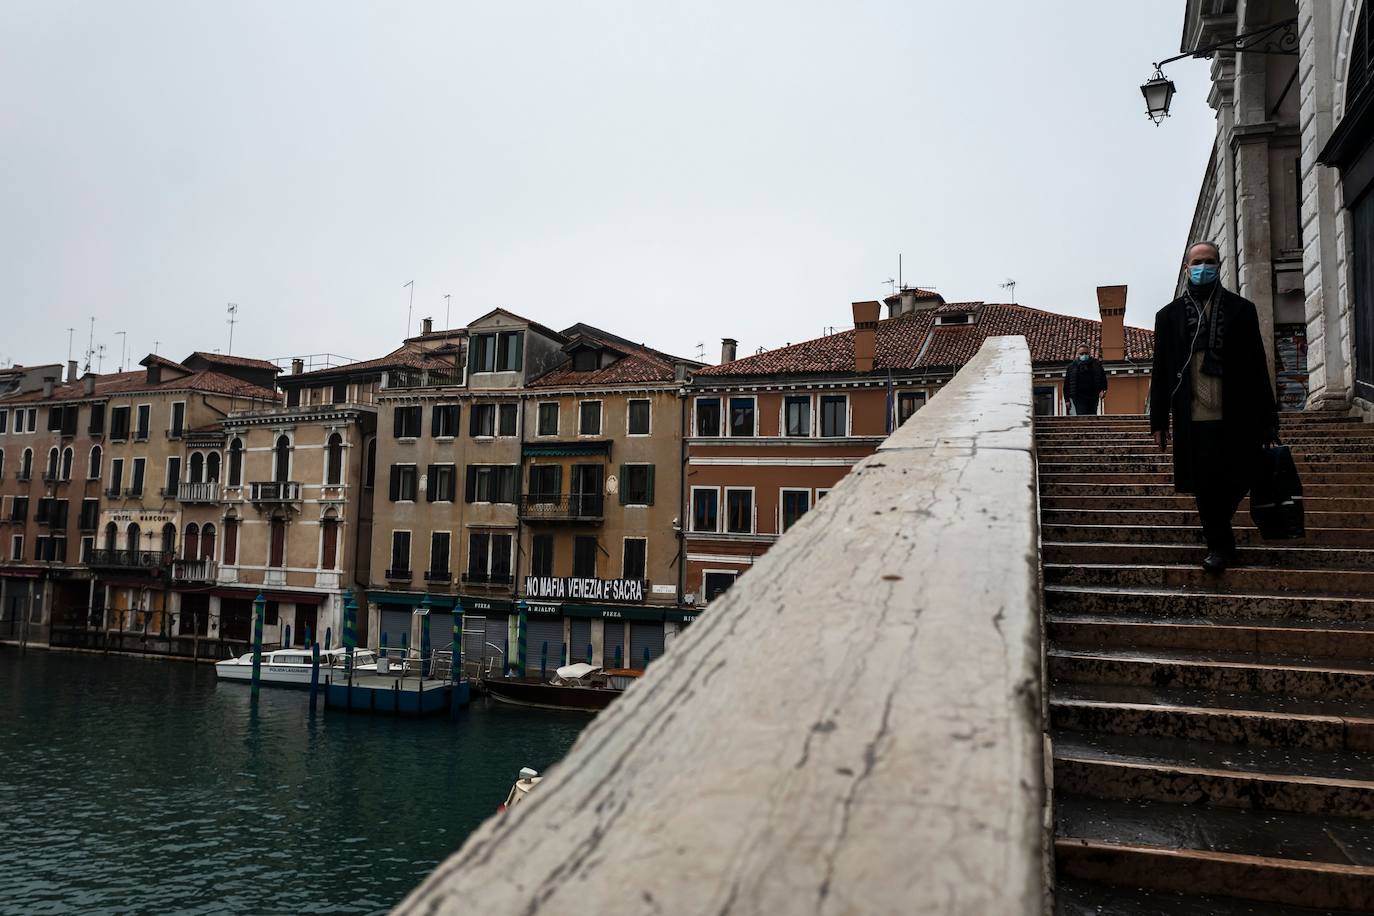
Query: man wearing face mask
1210, 372
1084, 382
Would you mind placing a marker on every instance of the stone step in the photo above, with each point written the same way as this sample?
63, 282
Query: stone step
1168, 605
1355, 435
1163, 464
1193, 579
1188, 518
1198, 772
1088, 450
1246, 535
1311, 502
1287, 418
1111, 461
1292, 637
1324, 862
1165, 477
1166, 488
1298, 556
1219, 719
1351, 679
1080, 898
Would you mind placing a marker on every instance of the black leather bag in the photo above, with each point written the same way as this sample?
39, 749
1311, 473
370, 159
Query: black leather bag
1276, 496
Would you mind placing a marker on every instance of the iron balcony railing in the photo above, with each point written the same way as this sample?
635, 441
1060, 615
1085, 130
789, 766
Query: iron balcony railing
195, 570
146, 560
274, 491
551, 506
399, 575
438, 575
487, 578
206, 492
436, 377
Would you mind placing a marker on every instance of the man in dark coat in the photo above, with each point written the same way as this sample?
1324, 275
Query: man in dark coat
1084, 382
1210, 372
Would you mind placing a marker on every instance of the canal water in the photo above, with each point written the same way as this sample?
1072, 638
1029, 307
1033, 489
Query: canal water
144, 786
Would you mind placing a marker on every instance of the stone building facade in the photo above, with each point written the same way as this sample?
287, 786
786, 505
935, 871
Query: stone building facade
1286, 191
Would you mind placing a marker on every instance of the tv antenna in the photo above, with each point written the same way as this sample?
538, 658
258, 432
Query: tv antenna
1010, 285
71, 335
233, 310
90, 347
99, 358
411, 307
123, 342
447, 296
892, 286
701, 351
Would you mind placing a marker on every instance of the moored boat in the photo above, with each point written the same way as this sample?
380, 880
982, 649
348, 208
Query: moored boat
580, 686
291, 667
529, 778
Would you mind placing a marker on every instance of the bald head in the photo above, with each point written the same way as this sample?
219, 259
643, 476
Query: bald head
1203, 253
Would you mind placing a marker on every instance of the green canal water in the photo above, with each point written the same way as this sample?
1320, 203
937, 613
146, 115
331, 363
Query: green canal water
144, 786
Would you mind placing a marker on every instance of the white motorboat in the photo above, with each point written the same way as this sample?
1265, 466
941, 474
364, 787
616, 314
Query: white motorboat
291, 667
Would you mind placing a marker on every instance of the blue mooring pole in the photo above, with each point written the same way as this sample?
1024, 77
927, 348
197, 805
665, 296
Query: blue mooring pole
314, 674
259, 612
455, 667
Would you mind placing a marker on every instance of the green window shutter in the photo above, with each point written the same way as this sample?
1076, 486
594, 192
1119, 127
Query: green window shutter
622, 486
649, 485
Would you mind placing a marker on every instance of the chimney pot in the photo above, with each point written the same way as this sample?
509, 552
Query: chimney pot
71, 371
426, 325
48, 382
1111, 304
297, 366
88, 383
728, 347
865, 334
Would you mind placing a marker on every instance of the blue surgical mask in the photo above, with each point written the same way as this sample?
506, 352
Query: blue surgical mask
1202, 274
1083, 357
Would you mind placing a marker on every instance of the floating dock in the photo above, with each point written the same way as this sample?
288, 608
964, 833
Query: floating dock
396, 696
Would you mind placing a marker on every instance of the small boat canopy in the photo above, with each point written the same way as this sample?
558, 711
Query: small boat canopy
579, 670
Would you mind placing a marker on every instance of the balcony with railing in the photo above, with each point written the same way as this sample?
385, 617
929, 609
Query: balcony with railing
195, 570
206, 492
896, 762
274, 492
148, 561
438, 575
398, 575
481, 579
549, 507
433, 377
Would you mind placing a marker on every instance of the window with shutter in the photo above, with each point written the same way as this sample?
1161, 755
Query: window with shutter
633, 564
395, 493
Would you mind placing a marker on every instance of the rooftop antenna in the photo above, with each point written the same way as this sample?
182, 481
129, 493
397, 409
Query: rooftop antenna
446, 304
233, 319
123, 340
900, 284
701, 351
1011, 285
155, 343
892, 285
71, 335
411, 307
99, 358
90, 346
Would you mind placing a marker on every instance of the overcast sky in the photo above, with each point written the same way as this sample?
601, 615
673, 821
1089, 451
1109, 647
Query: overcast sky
672, 172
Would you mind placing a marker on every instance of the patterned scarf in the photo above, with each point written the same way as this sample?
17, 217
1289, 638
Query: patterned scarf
1211, 341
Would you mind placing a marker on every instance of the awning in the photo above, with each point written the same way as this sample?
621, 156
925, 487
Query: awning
564, 449
412, 599
615, 611
251, 594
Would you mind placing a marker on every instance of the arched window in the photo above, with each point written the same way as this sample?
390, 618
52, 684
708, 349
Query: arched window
93, 469
212, 467
236, 463
197, 467
51, 473
111, 537
334, 462
169, 538
132, 536
207, 542
67, 457
281, 460
329, 542
370, 472
231, 540
190, 542
26, 465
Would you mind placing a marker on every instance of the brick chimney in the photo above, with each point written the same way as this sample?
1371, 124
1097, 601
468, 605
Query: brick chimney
865, 334
48, 383
1111, 303
426, 325
728, 346
88, 383
71, 371
297, 366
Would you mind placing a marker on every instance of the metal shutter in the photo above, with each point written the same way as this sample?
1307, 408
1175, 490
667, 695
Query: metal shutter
441, 631
614, 639
645, 636
541, 631
580, 639
495, 645
395, 624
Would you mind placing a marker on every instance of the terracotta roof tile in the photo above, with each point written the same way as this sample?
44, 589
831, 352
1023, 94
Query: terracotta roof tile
913, 342
115, 383
639, 365
220, 359
401, 358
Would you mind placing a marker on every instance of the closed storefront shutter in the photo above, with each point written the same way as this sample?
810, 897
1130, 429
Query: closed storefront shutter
440, 631
645, 637
495, 643
395, 623
540, 631
580, 641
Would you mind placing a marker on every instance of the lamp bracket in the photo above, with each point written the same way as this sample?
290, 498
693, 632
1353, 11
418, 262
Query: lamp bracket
1278, 38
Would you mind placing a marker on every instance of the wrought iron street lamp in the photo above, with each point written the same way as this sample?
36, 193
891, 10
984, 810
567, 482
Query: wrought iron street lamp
1279, 38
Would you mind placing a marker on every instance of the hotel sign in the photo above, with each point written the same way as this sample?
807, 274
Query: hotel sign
631, 590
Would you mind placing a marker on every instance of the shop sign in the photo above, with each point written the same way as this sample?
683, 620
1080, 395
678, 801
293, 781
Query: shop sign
586, 589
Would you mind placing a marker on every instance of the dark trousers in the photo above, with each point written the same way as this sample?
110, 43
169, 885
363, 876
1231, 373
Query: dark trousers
1085, 406
1221, 479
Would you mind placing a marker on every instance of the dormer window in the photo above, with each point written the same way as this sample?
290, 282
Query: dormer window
586, 360
954, 318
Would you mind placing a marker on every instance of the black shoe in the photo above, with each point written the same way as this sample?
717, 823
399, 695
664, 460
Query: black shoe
1215, 563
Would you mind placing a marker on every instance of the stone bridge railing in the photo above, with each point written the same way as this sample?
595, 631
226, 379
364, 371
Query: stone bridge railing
855, 727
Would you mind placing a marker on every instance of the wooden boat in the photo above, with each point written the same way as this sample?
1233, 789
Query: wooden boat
580, 686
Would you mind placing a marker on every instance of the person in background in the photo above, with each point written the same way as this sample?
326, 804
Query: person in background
1211, 374
1084, 382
